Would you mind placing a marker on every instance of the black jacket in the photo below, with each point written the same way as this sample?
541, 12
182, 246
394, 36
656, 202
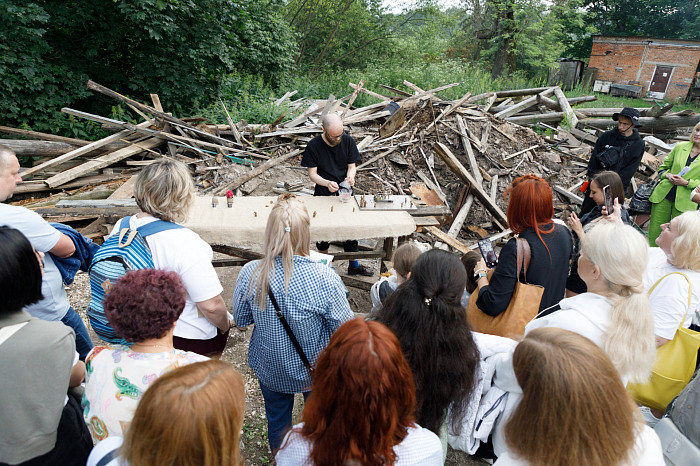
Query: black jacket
633, 150
547, 268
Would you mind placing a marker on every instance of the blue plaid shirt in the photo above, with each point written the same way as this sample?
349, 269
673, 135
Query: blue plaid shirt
315, 305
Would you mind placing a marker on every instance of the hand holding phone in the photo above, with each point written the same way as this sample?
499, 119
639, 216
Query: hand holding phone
488, 253
608, 200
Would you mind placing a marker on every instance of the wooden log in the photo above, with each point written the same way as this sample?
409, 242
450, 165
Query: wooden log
554, 105
521, 92
520, 106
603, 112
664, 124
442, 236
370, 93
532, 119
257, 171
42, 136
468, 150
86, 212
360, 86
466, 177
567, 194
101, 162
449, 110
461, 217
81, 151
33, 148
37, 186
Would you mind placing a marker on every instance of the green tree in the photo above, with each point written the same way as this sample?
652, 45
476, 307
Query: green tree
180, 49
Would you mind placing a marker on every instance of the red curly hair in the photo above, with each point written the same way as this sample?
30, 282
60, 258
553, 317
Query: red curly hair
530, 205
144, 304
362, 398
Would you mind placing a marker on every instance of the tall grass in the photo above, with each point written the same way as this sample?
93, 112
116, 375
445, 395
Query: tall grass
252, 99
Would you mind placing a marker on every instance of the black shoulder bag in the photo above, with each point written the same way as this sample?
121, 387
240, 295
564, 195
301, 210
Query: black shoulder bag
288, 329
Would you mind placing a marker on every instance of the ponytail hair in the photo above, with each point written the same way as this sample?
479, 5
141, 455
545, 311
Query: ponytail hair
286, 234
622, 255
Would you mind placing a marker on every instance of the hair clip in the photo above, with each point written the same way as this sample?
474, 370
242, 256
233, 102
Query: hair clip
287, 229
427, 301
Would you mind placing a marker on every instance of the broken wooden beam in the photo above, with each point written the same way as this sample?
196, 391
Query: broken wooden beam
42, 136
101, 162
466, 177
520, 106
453, 242
257, 171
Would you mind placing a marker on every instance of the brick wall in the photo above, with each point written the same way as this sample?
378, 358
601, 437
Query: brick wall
622, 60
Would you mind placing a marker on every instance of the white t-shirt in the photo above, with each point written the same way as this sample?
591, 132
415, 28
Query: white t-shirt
105, 447
43, 237
647, 452
669, 300
182, 250
420, 447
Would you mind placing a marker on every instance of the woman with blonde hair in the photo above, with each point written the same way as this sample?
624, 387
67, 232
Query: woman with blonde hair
574, 409
673, 195
164, 191
191, 416
614, 313
362, 407
311, 298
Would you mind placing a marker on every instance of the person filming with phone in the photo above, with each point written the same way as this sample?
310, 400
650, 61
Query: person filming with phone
530, 212
605, 187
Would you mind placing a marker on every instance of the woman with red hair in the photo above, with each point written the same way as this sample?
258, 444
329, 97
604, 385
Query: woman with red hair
530, 212
361, 406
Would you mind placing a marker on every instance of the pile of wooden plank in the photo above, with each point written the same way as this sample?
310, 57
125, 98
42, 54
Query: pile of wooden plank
457, 157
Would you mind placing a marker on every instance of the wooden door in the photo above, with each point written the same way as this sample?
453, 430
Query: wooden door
662, 76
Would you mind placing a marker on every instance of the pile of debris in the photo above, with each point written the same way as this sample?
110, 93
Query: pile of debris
456, 157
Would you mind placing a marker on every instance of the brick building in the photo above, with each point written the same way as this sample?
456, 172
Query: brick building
665, 68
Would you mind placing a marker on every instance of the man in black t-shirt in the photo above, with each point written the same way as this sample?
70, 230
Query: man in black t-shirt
331, 158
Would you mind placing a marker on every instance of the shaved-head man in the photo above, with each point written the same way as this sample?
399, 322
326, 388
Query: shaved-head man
330, 159
47, 239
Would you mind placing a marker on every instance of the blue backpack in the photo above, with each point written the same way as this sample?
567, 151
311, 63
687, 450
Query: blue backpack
119, 254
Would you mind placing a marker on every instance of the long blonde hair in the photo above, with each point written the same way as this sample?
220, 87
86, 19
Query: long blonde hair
190, 416
286, 234
622, 254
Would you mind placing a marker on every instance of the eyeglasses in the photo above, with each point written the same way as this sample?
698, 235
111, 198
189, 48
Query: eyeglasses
334, 138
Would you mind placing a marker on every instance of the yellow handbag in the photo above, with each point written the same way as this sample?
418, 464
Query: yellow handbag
522, 308
674, 366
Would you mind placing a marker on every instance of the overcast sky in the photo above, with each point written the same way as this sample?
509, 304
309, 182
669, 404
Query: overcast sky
395, 6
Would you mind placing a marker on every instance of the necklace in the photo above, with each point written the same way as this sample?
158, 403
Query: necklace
169, 347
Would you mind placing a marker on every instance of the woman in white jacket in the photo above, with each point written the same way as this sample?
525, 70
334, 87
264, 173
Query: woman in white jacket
614, 313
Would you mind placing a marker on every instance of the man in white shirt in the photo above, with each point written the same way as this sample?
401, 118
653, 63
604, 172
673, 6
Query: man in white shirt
44, 238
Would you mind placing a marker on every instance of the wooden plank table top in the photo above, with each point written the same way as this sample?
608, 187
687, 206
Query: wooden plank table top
243, 224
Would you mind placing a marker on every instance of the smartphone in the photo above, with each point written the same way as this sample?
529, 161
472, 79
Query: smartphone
608, 199
488, 253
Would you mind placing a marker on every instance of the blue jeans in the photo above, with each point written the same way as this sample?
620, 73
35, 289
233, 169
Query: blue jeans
83, 343
278, 409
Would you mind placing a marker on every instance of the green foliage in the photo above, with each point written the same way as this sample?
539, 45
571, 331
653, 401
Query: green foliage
179, 49
670, 19
336, 34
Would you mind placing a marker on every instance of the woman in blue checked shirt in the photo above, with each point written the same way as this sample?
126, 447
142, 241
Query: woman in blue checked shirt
312, 299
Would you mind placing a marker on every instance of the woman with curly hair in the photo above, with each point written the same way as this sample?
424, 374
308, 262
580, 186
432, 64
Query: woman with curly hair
191, 416
361, 408
575, 409
530, 212
427, 317
143, 307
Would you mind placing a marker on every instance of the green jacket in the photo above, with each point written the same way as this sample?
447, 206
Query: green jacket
674, 163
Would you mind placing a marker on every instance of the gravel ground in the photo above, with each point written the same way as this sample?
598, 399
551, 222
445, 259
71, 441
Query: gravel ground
256, 451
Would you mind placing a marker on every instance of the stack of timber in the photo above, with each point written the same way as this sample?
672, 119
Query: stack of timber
456, 157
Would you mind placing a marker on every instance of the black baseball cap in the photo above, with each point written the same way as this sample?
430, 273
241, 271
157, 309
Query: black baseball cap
629, 112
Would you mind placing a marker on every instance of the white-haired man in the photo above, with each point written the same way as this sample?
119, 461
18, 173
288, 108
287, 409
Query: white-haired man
44, 238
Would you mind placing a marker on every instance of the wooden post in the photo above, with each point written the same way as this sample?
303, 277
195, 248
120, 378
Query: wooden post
466, 177
571, 116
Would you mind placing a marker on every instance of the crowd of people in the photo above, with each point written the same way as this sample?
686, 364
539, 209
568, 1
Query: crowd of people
390, 388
